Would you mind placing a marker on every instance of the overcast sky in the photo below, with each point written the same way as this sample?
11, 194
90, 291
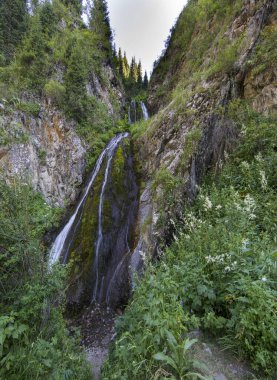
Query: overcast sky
142, 26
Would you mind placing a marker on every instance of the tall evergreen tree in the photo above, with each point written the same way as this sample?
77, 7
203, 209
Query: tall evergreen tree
75, 5
134, 70
139, 74
145, 81
100, 22
75, 83
120, 62
13, 24
126, 67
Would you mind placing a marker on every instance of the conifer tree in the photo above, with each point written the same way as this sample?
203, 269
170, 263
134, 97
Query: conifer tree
13, 24
139, 74
75, 83
120, 62
145, 81
100, 22
126, 67
134, 70
75, 5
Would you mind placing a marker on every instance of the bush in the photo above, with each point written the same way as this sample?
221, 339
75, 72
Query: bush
30, 108
55, 91
34, 342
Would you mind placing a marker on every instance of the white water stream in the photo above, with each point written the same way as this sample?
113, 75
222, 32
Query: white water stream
144, 111
59, 244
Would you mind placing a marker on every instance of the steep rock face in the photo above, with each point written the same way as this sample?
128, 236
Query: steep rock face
42, 147
120, 201
44, 151
105, 92
193, 132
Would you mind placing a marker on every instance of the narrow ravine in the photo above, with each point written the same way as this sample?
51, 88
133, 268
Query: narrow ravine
99, 237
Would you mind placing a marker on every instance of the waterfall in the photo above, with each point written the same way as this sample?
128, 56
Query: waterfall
132, 112
100, 217
63, 241
144, 111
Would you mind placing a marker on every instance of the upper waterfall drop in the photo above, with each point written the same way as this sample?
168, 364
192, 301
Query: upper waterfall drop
62, 243
137, 111
144, 111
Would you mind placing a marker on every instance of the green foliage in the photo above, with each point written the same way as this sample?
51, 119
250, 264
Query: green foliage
100, 23
29, 108
191, 53
265, 54
33, 60
55, 91
74, 5
13, 24
220, 273
178, 363
34, 342
190, 146
139, 128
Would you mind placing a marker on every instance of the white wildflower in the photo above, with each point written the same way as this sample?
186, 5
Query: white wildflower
227, 269
245, 165
264, 279
218, 207
263, 179
207, 203
259, 157
244, 244
249, 203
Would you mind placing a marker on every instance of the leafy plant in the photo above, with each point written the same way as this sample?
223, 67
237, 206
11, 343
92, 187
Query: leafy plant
178, 361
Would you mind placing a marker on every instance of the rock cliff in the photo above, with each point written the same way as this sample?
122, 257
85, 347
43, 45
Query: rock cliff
41, 146
194, 130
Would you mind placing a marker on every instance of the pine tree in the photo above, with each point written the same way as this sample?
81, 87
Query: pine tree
75, 83
126, 67
139, 74
13, 24
134, 70
145, 81
100, 23
120, 62
75, 5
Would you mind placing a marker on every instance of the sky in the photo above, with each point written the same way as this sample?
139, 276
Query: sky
141, 27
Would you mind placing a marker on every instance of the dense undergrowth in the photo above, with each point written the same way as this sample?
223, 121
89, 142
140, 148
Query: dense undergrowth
219, 274
34, 341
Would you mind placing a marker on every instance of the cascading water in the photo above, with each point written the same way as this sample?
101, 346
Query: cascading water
63, 241
132, 112
98, 235
136, 113
144, 111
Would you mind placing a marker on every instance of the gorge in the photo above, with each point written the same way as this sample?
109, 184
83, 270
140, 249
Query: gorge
138, 221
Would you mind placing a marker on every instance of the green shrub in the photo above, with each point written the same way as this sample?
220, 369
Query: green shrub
30, 108
55, 91
34, 341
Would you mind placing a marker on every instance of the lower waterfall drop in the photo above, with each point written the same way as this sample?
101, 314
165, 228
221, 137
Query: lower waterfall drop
99, 234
